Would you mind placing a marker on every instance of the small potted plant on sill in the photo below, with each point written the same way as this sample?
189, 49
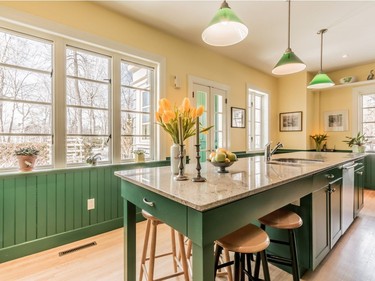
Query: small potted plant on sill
357, 143
93, 159
26, 158
139, 155
319, 138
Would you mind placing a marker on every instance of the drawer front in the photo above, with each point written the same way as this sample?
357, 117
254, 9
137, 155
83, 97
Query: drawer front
168, 211
361, 164
324, 178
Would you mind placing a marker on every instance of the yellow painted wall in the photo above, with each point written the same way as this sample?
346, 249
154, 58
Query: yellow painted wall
182, 58
293, 97
341, 99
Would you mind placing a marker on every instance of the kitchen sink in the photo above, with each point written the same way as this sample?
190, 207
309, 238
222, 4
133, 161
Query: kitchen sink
295, 161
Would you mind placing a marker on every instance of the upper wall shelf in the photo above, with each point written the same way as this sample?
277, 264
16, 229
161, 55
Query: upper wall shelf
354, 84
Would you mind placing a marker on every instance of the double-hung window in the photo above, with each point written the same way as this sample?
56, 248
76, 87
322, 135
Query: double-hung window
257, 107
88, 88
26, 97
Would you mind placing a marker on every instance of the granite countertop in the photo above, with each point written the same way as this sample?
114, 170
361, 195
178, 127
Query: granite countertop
246, 177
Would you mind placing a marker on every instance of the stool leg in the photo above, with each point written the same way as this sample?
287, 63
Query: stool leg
144, 251
174, 252
266, 272
152, 251
183, 256
237, 267
228, 268
257, 266
218, 251
293, 254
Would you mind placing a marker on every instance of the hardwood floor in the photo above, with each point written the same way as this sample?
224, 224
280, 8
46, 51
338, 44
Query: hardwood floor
352, 259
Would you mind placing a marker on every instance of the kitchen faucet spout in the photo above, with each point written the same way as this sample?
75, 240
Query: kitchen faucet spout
268, 152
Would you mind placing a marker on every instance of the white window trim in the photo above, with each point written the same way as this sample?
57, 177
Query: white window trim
29, 24
267, 114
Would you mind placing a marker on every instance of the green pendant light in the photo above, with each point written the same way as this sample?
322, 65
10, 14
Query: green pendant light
321, 80
225, 28
289, 62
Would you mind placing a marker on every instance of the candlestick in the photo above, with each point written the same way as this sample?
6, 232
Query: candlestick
197, 130
180, 127
181, 176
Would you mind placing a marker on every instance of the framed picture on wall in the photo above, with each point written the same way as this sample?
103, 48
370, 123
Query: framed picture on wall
336, 121
291, 121
238, 117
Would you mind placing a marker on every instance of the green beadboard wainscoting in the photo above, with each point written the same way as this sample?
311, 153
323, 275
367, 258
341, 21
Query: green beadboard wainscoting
44, 209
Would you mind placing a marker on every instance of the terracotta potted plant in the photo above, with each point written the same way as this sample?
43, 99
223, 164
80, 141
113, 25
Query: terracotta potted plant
357, 143
26, 158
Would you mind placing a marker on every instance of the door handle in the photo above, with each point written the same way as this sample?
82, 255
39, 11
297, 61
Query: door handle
330, 176
150, 203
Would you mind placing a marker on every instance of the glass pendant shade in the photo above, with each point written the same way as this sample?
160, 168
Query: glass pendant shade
225, 28
320, 81
288, 64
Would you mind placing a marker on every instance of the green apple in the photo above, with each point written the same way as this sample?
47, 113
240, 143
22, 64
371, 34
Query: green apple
232, 156
220, 157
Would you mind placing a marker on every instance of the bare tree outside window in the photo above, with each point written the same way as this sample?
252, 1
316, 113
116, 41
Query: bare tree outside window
25, 96
136, 99
87, 97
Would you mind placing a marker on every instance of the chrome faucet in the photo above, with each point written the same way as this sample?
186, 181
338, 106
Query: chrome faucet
268, 152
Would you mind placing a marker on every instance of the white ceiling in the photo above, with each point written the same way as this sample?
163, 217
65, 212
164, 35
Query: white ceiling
350, 24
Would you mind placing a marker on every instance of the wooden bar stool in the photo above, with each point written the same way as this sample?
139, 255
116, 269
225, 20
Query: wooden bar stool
152, 224
288, 220
249, 239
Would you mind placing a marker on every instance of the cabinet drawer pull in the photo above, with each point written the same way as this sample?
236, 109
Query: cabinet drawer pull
151, 204
330, 176
360, 173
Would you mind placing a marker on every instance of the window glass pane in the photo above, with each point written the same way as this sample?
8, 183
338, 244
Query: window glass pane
87, 121
257, 141
257, 128
369, 115
19, 117
135, 100
25, 85
136, 109
136, 76
219, 122
369, 100
219, 106
129, 144
258, 115
25, 52
83, 93
85, 64
258, 102
369, 129
79, 148
8, 144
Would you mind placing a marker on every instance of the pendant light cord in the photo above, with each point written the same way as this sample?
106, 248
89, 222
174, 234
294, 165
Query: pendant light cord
321, 32
288, 24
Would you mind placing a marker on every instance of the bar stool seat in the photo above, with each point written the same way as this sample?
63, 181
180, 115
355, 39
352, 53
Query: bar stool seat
288, 220
152, 223
249, 239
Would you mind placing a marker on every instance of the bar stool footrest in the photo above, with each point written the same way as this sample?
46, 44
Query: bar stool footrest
279, 260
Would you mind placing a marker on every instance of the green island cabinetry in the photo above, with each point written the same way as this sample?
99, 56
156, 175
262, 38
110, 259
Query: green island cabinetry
359, 179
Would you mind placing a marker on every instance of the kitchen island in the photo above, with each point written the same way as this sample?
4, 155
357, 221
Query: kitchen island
207, 211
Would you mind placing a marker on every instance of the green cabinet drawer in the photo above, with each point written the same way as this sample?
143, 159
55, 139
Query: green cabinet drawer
166, 210
324, 178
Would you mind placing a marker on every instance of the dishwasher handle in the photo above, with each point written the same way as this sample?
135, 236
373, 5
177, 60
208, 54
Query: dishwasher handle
349, 166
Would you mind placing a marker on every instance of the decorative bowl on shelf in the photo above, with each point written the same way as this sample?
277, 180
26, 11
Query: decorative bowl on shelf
347, 79
222, 165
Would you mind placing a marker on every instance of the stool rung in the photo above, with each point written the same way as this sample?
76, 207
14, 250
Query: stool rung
160, 256
225, 264
279, 260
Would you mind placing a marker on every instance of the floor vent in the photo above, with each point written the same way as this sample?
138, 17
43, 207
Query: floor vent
77, 249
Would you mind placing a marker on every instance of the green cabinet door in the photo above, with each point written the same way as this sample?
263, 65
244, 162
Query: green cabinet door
334, 198
358, 190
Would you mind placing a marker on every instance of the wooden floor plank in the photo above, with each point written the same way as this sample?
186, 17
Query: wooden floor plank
352, 259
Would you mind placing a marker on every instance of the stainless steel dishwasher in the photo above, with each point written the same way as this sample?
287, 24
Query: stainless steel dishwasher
347, 199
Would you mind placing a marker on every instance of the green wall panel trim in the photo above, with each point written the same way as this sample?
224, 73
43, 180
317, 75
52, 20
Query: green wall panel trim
49, 242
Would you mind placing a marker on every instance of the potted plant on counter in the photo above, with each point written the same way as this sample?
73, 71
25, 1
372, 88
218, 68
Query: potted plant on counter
357, 143
318, 139
26, 157
139, 155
